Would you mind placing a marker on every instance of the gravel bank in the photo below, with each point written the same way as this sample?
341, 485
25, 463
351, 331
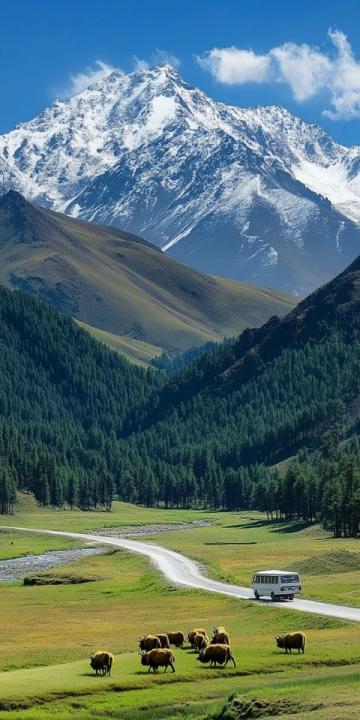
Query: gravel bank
17, 568
137, 530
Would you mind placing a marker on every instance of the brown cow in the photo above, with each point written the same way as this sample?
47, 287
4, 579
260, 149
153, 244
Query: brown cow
149, 642
199, 642
158, 658
176, 638
292, 641
192, 633
102, 662
164, 640
216, 655
220, 636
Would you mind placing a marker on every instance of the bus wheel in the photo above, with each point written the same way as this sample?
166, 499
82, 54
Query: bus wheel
273, 597
257, 596
291, 597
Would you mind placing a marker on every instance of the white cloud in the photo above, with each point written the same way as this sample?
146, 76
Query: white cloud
82, 80
345, 98
306, 69
163, 56
156, 58
140, 64
231, 65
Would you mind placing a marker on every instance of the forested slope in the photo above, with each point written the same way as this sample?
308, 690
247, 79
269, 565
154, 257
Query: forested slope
255, 401
78, 423
64, 401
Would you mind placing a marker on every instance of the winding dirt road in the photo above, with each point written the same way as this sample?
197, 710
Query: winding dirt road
180, 570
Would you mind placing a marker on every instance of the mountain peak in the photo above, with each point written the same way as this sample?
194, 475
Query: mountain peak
159, 74
232, 191
12, 199
167, 70
20, 221
160, 70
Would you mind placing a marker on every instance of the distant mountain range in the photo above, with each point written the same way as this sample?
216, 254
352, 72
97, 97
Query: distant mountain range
251, 194
127, 292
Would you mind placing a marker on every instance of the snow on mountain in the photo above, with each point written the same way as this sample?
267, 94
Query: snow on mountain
254, 194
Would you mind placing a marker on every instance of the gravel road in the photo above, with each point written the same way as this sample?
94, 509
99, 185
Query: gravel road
180, 570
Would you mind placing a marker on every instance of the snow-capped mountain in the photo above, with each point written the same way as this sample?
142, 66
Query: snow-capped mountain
253, 194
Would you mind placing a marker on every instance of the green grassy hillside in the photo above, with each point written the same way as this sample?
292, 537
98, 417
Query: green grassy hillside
136, 351
121, 284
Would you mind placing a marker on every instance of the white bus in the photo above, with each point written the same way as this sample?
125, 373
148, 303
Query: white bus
277, 584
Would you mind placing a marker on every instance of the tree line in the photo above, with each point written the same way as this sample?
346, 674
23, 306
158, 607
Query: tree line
323, 486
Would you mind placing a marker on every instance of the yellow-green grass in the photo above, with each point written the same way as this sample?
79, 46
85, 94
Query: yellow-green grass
29, 514
49, 625
131, 693
332, 695
136, 351
127, 598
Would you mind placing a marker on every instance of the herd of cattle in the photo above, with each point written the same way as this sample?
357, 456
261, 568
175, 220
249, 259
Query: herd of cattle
156, 650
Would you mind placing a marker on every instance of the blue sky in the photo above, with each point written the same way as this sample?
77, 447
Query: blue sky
238, 51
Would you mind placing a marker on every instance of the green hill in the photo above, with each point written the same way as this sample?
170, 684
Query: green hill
117, 283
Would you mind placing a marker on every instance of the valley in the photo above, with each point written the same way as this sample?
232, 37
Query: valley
179, 361
56, 677
86, 427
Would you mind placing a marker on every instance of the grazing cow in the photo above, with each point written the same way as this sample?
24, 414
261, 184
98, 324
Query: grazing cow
216, 655
291, 641
199, 642
176, 638
102, 662
158, 658
192, 633
164, 640
220, 636
149, 642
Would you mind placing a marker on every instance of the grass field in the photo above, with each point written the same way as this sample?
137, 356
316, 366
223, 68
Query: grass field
29, 514
48, 631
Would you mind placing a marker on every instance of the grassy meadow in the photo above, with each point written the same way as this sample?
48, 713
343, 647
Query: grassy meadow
48, 631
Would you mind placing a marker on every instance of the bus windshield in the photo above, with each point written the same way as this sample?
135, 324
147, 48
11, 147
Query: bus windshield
289, 578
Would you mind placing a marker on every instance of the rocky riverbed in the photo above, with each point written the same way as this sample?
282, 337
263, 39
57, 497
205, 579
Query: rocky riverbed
137, 530
17, 568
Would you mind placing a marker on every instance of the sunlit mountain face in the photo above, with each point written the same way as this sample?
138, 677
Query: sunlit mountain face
251, 194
